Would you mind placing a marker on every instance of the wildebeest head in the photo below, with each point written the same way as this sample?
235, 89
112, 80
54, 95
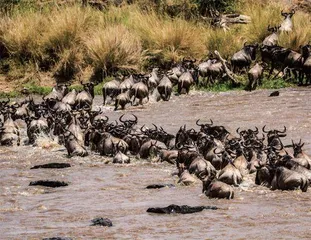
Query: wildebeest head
288, 14
128, 123
297, 147
274, 136
251, 49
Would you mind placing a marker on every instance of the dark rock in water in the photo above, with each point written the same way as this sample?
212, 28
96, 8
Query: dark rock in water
57, 238
106, 222
153, 186
52, 165
274, 94
48, 183
184, 209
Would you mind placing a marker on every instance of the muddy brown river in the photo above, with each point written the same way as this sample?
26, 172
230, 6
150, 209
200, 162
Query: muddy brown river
118, 192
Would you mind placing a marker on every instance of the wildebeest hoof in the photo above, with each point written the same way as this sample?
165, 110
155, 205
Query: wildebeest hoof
106, 222
184, 209
52, 165
153, 186
57, 238
48, 183
274, 94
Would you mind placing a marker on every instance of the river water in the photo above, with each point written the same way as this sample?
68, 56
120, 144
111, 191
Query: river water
97, 189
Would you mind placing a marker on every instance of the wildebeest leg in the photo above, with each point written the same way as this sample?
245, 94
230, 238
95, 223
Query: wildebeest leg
179, 89
271, 70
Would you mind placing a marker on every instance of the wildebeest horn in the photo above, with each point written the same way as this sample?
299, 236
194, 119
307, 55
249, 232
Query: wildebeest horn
135, 118
244, 44
299, 142
263, 129
120, 119
197, 123
214, 151
282, 13
156, 128
284, 130
237, 130
256, 131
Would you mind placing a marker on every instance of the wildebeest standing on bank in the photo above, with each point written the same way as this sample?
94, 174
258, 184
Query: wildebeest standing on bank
287, 24
273, 38
254, 77
244, 57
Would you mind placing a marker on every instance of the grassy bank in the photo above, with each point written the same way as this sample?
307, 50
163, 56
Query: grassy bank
70, 42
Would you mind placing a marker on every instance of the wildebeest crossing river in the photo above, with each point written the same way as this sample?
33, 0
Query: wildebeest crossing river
118, 192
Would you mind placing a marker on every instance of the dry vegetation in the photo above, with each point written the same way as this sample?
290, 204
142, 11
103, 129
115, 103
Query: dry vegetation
67, 40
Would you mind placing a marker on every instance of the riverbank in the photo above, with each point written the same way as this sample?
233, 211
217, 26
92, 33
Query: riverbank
42, 45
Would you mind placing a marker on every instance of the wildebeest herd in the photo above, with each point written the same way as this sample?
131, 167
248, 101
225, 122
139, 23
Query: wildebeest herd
293, 65
210, 154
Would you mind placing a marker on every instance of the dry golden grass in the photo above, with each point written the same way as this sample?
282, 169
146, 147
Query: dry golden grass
167, 39
114, 47
21, 35
67, 39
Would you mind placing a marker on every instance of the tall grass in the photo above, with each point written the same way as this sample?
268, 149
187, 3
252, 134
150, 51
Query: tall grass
21, 35
113, 48
167, 40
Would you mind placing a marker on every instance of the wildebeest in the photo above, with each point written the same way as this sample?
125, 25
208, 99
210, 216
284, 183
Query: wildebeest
9, 131
273, 38
70, 97
306, 63
111, 89
122, 99
126, 84
286, 179
74, 148
165, 88
244, 57
287, 24
140, 90
217, 189
255, 77
84, 99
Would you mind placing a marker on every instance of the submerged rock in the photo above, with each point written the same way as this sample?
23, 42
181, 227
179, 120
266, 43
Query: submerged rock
52, 165
154, 186
274, 94
184, 209
106, 222
48, 183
